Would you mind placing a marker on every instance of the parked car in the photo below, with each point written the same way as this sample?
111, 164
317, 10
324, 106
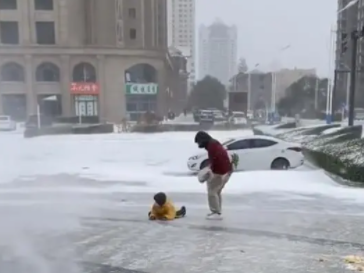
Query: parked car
238, 118
206, 116
7, 124
256, 153
218, 115
359, 113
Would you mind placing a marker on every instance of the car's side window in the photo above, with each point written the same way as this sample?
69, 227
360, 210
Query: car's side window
239, 145
262, 143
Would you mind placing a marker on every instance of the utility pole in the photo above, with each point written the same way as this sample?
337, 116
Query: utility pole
334, 92
355, 36
316, 93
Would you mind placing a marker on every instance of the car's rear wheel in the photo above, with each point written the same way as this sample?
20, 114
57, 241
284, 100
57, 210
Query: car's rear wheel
280, 164
204, 164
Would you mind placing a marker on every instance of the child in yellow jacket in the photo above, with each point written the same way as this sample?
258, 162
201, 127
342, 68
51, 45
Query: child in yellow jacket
163, 209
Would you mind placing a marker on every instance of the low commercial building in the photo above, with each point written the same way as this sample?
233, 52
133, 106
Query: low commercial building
256, 90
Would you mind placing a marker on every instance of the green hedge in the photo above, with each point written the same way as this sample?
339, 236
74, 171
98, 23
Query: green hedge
319, 129
339, 136
341, 161
106, 128
258, 132
288, 125
193, 127
340, 152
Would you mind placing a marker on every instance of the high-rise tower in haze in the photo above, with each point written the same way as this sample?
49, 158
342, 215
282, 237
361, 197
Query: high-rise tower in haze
181, 31
218, 51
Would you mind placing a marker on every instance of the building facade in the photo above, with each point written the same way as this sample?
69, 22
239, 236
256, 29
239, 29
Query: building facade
286, 77
348, 20
218, 51
252, 91
181, 31
96, 58
255, 90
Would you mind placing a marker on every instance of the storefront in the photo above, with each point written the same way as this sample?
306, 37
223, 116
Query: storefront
50, 105
140, 98
85, 99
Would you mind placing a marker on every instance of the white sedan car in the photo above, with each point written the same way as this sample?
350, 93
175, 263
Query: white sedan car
7, 124
256, 153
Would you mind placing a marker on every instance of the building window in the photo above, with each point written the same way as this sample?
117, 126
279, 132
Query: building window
132, 13
84, 72
47, 72
12, 72
132, 33
45, 33
8, 4
9, 33
43, 4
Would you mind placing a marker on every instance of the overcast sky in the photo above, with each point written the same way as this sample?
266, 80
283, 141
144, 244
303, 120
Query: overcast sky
265, 26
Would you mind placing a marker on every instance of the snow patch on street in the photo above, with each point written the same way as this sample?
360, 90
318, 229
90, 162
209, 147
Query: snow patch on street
139, 163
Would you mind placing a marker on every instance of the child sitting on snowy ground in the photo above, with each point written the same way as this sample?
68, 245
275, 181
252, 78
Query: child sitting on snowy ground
163, 209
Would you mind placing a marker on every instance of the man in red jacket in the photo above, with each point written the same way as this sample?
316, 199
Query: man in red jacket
221, 168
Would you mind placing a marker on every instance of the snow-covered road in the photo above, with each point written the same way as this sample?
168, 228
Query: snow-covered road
50, 185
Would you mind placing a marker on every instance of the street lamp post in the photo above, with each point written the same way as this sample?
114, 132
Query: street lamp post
329, 80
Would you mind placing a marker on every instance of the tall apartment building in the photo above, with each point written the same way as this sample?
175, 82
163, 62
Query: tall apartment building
96, 58
218, 51
181, 31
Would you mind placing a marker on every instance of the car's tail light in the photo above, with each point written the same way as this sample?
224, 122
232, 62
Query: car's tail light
296, 149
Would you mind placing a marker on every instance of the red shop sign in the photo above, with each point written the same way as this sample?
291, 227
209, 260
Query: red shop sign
84, 88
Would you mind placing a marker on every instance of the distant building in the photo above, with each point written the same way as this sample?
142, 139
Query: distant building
285, 77
181, 31
218, 51
251, 91
255, 90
